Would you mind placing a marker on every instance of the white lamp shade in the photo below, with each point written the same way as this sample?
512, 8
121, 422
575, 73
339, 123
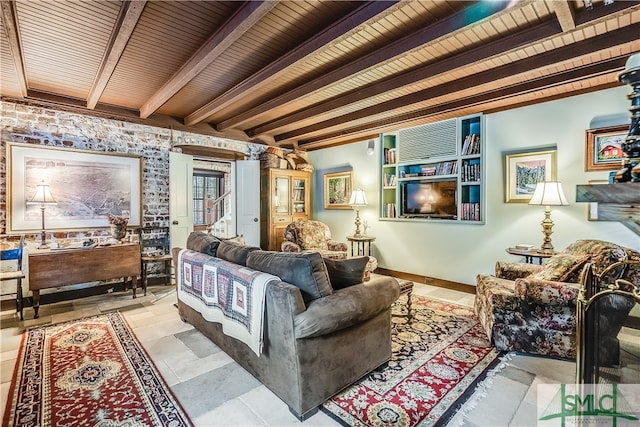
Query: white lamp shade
43, 196
549, 193
358, 198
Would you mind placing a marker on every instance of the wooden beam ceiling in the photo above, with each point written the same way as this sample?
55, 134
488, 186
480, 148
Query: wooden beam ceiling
308, 73
247, 16
280, 66
11, 28
130, 12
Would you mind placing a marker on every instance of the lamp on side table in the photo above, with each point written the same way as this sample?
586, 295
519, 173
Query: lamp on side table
548, 194
43, 198
358, 198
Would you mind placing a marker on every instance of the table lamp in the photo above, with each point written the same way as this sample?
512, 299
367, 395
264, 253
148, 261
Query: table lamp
358, 198
43, 198
548, 194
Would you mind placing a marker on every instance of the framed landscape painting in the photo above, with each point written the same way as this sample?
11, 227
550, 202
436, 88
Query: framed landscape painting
86, 186
604, 148
525, 170
337, 190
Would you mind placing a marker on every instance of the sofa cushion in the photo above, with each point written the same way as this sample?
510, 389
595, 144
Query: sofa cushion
347, 307
346, 272
561, 266
234, 252
306, 270
203, 242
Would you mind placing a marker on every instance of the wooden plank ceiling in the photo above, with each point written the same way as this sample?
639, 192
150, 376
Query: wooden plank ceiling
308, 74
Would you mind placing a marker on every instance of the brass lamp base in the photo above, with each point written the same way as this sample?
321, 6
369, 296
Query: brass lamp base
547, 225
357, 233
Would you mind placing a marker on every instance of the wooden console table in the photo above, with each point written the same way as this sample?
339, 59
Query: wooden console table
55, 268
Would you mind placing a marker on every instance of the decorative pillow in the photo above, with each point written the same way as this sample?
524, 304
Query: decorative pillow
560, 267
601, 254
346, 272
311, 236
203, 242
306, 270
234, 252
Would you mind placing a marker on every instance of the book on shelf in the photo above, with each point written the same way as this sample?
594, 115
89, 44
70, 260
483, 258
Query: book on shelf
471, 144
389, 180
470, 211
389, 210
389, 156
470, 172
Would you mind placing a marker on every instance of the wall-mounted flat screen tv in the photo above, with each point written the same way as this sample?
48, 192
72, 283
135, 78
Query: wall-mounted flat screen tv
429, 199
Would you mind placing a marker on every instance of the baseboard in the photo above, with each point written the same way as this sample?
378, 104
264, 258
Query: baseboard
416, 278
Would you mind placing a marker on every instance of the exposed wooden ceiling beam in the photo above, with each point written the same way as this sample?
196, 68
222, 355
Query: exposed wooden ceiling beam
562, 54
130, 12
266, 75
456, 21
564, 13
245, 17
413, 76
421, 73
358, 136
10, 22
564, 77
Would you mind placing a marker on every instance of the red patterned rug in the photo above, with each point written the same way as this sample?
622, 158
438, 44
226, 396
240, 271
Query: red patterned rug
437, 359
88, 372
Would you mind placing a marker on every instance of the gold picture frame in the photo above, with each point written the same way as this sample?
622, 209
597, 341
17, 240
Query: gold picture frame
524, 170
603, 148
337, 190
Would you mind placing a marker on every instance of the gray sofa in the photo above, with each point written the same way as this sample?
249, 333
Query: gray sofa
317, 340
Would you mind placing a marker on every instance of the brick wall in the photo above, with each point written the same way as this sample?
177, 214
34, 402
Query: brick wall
42, 126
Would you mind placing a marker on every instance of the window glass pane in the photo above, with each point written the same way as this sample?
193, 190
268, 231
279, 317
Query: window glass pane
207, 187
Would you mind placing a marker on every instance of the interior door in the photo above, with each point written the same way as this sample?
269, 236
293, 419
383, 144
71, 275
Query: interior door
181, 198
248, 200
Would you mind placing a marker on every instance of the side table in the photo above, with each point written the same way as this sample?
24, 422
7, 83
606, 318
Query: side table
363, 244
530, 254
406, 287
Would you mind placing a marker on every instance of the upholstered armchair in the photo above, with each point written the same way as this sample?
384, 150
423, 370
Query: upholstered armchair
531, 308
311, 235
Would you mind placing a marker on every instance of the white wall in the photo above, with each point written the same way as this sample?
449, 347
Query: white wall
457, 252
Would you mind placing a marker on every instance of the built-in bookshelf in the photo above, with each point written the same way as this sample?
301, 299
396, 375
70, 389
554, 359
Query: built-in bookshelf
434, 172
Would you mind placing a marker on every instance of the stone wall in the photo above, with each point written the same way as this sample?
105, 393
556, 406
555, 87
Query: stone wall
42, 126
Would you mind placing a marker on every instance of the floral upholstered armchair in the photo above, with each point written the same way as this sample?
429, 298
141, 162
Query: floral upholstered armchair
310, 235
531, 308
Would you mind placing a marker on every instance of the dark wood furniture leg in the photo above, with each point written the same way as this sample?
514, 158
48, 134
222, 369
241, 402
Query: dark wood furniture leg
36, 303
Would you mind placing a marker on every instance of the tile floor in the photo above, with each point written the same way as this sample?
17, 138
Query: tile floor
198, 372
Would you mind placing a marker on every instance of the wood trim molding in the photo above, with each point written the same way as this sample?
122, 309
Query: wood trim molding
441, 283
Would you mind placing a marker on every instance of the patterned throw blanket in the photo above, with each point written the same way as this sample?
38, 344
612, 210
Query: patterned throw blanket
225, 293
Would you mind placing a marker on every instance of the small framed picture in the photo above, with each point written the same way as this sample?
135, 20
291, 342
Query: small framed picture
604, 148
525, 170
337, 190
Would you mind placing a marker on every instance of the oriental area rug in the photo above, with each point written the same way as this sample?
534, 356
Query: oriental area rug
438, 358
88, 372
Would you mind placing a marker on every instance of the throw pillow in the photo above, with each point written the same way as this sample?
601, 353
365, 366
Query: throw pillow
306, 270
560, 266
203, 242
346, 272
234, 252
